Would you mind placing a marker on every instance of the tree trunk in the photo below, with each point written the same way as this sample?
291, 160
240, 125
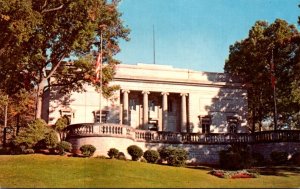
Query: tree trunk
18, 125
39, 100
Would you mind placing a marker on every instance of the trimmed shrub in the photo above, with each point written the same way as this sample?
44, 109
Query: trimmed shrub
258, 159
40, 145
64, 147
113, 153
164, 153
230, 160
173, 156
295, 159
87, 150
279, 157
135, 152
18, 149
178, 157
151, 156
4, 151
236, 157
121, 156
51, 140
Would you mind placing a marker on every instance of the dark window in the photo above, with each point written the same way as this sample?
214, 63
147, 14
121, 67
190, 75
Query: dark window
205, 124
232, 124
151, 105
104, 115
132, 104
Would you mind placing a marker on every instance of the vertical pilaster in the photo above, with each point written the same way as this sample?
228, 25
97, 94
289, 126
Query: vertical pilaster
145, 108
164, 111
125, 106
183, 112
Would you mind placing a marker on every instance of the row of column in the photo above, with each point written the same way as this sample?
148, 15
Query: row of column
164, 109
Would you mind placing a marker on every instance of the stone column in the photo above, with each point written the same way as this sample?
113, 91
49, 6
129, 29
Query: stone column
164, 111
183, 112
145, 108
125, 106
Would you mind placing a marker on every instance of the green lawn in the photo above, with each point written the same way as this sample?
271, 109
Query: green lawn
56, 172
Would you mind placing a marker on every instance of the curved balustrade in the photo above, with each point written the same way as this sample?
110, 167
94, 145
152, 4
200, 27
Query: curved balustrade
115, 130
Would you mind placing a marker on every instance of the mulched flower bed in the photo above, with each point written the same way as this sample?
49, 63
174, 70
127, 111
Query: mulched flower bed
234, 174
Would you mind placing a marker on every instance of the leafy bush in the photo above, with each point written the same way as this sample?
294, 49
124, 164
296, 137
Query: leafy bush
295, 159
16, 149
258, 159
173, 156
87, 150
35, 132
61, 123
164, 152
135, 152
4, 151
51, 139
113, 153
279, 157
121, 156
236, 157
63, 147
178, 157
151, 156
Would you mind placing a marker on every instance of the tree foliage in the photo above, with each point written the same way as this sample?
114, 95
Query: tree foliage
42, 39
20, 109
250, 59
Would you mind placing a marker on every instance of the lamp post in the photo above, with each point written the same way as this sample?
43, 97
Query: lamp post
5, 122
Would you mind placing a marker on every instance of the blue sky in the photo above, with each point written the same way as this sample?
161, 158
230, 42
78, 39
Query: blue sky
194, 34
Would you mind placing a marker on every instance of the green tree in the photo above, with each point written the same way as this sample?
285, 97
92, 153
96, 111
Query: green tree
44, 39
20, 109
250, 59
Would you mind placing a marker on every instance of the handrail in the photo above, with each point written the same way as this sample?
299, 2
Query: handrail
117, 130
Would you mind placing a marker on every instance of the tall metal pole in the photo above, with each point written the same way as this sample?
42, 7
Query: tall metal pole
100, 99
5, 122
274, 90
153, 45
5, 113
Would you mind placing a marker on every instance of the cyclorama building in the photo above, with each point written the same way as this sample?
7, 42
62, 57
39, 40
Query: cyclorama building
157, 98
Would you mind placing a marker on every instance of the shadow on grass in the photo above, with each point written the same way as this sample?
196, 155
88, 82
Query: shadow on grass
283, 171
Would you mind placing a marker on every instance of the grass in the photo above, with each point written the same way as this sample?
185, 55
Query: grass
41, 171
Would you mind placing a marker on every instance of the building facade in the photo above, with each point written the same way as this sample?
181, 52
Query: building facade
160, 98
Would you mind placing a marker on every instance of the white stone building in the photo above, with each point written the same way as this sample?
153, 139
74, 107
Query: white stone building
159, 97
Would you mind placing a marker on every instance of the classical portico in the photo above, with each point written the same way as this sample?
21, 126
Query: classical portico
152, 110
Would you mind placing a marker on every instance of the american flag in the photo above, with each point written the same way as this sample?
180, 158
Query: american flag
98, 67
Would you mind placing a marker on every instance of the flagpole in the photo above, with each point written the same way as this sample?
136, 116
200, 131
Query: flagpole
153, 45
274, 91
100, 98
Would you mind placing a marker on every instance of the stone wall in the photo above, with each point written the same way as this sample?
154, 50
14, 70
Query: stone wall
266, 148
198, 153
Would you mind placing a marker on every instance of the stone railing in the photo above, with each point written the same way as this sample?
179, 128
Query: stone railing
91, 129
115, 130
279, 135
